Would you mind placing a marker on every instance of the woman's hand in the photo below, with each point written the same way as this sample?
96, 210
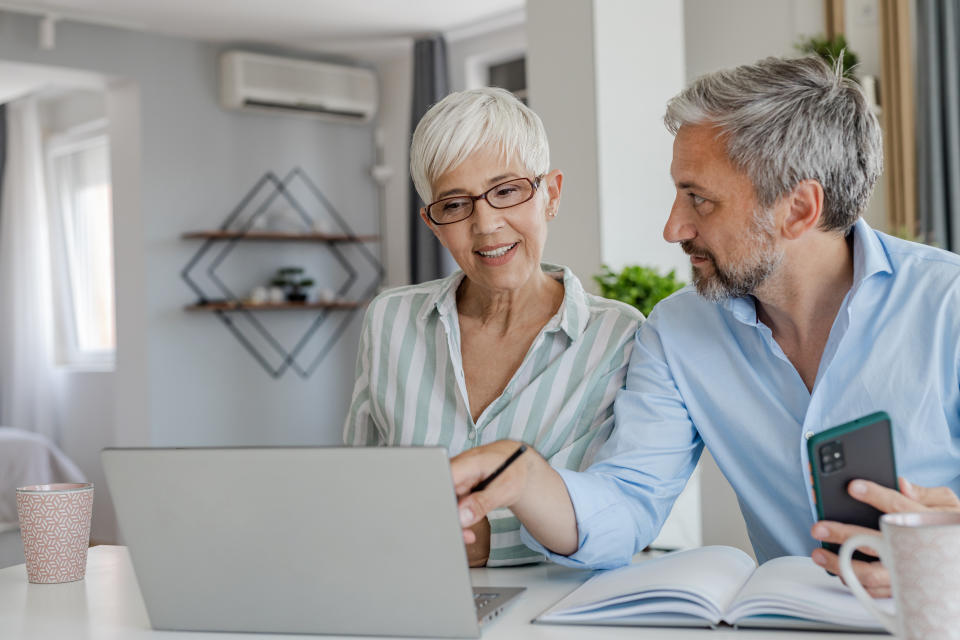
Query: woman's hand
478, 552
872, 575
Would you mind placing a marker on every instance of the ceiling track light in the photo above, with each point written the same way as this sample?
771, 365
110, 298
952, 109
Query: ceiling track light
48, 32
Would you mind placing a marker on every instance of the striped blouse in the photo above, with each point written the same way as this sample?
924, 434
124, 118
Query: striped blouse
410, 387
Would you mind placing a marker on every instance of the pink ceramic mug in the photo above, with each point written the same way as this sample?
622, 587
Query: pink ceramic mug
55, 527
922, 553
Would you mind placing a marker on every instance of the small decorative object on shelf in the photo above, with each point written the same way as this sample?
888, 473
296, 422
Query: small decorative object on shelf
294, 285
286, 220
259, 295
276, 295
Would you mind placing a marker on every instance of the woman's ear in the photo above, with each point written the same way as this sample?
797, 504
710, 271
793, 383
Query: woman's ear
430, 225
554, 184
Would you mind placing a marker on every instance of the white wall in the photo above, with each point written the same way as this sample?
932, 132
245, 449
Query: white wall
635, 149
88, 425
733, 32
561, 83
182, 163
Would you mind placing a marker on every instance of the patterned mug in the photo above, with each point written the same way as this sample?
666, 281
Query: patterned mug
922, 553
55, 528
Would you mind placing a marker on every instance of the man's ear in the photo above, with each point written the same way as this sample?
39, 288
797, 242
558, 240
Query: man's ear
805, 208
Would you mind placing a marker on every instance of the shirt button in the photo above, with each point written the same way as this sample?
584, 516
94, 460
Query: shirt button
472, 434
808, 435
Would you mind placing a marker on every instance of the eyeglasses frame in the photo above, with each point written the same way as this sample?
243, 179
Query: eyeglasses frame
535, 183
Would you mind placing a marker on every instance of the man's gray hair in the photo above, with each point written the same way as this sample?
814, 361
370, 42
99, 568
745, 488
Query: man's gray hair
789, 120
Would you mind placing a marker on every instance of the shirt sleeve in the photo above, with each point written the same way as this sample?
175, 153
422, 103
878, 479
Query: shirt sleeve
506, 547
623, 499
360, 429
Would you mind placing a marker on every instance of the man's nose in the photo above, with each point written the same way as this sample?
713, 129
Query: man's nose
679, 226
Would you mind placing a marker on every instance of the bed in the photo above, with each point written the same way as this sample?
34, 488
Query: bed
26, 458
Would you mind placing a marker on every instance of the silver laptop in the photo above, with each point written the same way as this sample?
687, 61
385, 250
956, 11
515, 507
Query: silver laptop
298, 540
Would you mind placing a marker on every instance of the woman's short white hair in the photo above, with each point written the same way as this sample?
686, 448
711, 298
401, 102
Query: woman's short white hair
467, 121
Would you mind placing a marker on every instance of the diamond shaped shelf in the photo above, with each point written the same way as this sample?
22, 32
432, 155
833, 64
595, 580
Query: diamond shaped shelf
241, 225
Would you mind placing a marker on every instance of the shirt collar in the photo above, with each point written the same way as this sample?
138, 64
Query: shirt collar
574, 312
443, 300
572, 317
869, 255
869, 258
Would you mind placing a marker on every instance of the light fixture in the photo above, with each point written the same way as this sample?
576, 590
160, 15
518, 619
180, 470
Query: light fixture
48, 32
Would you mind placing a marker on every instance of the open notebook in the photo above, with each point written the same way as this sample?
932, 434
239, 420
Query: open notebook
711, 585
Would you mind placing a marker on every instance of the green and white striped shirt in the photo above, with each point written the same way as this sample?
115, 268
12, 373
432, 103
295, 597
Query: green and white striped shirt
410, 387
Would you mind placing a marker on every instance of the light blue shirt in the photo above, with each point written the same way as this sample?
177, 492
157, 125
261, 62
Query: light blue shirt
705, 373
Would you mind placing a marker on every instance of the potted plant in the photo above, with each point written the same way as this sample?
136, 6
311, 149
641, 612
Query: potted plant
641, 287
830, 51
294, 285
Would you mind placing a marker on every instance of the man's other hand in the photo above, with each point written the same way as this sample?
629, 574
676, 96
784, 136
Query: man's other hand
872, 575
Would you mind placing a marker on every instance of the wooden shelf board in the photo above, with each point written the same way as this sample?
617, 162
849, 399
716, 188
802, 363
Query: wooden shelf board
276, 236
233, 305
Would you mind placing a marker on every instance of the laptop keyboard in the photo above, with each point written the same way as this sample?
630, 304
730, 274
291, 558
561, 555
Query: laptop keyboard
481, 600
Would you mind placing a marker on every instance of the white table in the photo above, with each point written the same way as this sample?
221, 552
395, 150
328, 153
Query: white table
107, 605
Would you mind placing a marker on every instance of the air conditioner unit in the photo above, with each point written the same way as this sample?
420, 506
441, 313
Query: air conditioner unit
263, 82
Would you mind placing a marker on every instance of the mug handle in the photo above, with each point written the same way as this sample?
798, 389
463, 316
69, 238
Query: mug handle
846, 570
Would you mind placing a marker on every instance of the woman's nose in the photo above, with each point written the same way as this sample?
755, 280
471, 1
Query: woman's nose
485, 218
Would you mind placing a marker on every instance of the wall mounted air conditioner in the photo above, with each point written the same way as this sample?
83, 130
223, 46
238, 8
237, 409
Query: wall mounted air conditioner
263, 82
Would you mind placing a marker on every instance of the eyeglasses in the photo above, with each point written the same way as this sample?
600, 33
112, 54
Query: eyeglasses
503, 196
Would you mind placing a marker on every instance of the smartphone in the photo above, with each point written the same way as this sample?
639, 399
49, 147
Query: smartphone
860, 449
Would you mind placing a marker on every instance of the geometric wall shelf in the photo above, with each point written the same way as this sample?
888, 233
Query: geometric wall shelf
309, 207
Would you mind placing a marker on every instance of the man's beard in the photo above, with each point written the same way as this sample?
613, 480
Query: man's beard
739, 280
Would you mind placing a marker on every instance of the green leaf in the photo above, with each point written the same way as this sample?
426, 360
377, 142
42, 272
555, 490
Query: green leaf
830, 51
640, 287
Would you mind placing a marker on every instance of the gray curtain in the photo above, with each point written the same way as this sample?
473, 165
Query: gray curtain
3, 157
3, 146
938, 122
430, 84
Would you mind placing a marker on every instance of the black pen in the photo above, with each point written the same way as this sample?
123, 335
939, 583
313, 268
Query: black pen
483, 484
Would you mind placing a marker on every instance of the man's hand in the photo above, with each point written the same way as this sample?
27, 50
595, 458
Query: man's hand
872, 575
529, 487
472, 466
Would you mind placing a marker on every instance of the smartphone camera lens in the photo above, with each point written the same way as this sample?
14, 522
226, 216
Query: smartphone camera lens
831, 457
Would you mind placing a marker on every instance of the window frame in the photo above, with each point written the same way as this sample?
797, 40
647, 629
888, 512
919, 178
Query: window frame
67, 348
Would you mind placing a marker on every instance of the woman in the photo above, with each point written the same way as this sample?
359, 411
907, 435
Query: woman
506, 347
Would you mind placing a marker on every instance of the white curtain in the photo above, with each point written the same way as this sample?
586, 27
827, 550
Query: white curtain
29, 389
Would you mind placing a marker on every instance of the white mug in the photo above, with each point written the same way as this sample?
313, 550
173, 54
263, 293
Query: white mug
922, 553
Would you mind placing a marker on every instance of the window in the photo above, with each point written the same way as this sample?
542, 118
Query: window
80, 207
510, 75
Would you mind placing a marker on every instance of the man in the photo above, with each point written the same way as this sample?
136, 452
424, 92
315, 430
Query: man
802, 318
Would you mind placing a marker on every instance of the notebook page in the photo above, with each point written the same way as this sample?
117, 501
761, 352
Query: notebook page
709, 577
795, 586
